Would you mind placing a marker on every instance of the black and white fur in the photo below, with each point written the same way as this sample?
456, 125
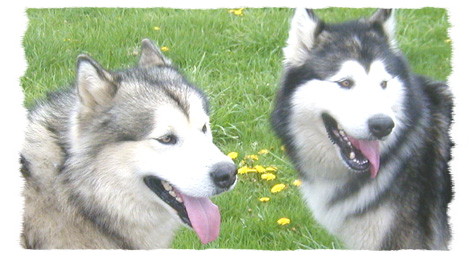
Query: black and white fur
120, 159
349, 82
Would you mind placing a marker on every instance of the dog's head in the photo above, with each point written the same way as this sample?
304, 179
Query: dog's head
346, 84
148, 128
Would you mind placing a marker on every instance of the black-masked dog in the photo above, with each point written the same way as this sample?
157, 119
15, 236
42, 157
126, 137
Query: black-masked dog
369, 138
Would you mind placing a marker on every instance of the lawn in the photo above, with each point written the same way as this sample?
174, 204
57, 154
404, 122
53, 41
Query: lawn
235, 57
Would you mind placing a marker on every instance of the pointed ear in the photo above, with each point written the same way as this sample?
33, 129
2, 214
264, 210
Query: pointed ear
95, 86
387, 20
151, 56
304, 29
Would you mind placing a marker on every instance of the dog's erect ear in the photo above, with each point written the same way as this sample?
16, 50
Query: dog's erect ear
304, 29
94, 84
151, 56
387, 20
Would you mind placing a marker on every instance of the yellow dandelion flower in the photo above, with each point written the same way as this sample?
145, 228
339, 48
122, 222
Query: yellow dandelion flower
264, 199
164, 49
233, 155
268, 176
283, 148
260, 169
297, 182
243, 170
283, 221
237, 12
278, 188
252, 156
263, 151
271, 169
251, 170
156, 28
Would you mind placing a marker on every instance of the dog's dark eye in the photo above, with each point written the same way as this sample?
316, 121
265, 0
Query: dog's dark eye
384, 84
204, 129
168, 139
346, 83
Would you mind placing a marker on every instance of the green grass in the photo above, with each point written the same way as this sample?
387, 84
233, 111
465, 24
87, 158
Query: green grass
236, 60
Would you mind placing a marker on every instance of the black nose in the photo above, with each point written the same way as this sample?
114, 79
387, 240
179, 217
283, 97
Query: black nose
223, 174
380, 125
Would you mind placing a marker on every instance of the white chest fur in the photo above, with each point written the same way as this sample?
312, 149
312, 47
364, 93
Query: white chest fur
357, 231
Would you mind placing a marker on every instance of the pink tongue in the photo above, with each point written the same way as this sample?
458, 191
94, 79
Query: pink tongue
370, 150
204, 216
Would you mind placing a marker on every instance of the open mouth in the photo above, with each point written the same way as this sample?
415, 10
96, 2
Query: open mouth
166, 192
199, 213
358, 155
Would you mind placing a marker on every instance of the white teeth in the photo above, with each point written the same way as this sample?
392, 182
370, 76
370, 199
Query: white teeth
167, 186
173, 194
352, 155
